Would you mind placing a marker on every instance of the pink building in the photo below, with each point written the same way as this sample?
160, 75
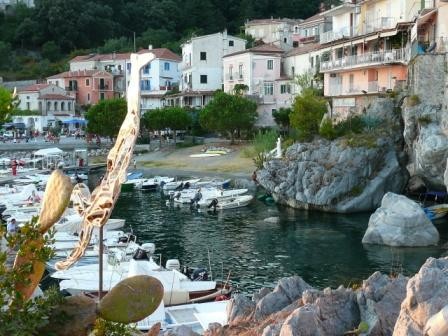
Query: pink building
260, 69
88, 87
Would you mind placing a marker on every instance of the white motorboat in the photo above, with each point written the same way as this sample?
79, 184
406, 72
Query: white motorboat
175, 185
72, 223
197, 316
75, 178
67, 241
207, 194
230, 202
155, 182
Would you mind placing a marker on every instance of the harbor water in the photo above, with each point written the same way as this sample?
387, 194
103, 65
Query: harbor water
324, 249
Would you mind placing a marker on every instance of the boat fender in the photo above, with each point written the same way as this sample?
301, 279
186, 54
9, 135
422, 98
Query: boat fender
221, 298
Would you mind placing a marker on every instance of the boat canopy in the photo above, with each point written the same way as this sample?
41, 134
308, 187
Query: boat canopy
48, 152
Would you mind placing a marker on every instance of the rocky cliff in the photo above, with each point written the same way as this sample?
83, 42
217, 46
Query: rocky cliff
425, 116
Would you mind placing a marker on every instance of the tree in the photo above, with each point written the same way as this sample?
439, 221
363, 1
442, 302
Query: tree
5, 55
51, 51
307, 114
154, 121
8, 103
229, 114
176, 118
240, 89
281, 117
106, 117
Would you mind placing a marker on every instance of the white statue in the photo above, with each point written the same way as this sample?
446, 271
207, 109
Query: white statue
278, 154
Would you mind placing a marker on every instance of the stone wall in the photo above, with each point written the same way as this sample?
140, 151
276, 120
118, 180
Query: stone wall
425, 116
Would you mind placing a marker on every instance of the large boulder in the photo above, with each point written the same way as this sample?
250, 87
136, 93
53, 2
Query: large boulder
330, 312
240, 309
426, 295
287, 291
379, 302
333, 177
400, 222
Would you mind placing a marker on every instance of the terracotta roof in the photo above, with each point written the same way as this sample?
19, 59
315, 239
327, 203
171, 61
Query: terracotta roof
101, 57
35, 87
162, 53
261, 49
270, 21
306, 48
80, 73
54, 96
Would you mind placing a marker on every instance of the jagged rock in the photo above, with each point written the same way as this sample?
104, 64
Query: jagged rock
182, 330
379, 302
333, 177
272, 330
426, 295
214, 329
239, 309
332, 313
400, 222
260, 294
286, 292
416, 184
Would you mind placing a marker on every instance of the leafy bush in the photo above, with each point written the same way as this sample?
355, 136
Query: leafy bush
259, 160
371, 122
108, 328
353, 124
307, 114
288, 143
326, 129
413, 100
265, 141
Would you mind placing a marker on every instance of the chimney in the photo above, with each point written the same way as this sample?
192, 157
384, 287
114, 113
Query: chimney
150, 47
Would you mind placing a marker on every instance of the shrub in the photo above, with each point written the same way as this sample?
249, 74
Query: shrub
353, 124
413, 100
259, 160
288, 143
265, 141
326, 129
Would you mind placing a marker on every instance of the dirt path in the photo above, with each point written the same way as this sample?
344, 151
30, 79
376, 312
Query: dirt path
178, 160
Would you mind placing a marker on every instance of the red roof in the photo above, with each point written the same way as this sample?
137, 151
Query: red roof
80, 73
162, 53
304, 49
35, 87
261, 49
54, 96
101, 57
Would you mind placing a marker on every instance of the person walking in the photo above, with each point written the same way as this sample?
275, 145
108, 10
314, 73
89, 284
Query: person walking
12, 227
135, 164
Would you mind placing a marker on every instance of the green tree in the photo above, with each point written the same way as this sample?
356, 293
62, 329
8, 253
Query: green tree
106, 117
5, 55
154, 121
281, 117
176, 118
308, 110
120, 44
51, 51
240, 89
8, 104
229, 114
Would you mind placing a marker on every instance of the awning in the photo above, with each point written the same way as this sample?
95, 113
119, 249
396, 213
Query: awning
48, 151
426, 17
75, 121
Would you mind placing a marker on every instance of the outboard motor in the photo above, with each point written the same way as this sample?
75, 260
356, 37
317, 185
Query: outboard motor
140, 254
213, 204
187, 185
180, 186
199, 274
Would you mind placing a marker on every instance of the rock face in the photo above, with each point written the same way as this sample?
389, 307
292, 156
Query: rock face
426, 120
426, 295
400, 222
333, 177
379, 302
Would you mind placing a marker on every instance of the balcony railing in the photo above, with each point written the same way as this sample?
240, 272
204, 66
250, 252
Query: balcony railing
103, 87
230, 77
367, 59
341, 90
71, 88
336, 35
372, 86
379, 24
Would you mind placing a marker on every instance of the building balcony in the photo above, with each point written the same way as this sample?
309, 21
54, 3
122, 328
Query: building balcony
185, 66
379, 24
166, 88
331, 36
335, 90
71, 88
234, 77
103, 87
393, 56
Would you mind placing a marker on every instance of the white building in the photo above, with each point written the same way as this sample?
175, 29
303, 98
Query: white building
6, 5
260, 70
158, 77
276, 31
44, 105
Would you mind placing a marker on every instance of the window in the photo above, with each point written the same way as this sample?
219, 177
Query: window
285, 40
166, 66
145, 85
203, 79
101, 95
285, 88
48, 106
270, 64
293, 71
62, 106
231, 72
55, 106
69, 106
240, 71
88, 97
203, 56
295, 44
312, 62
128, 67
268, 88
231, 43
87, 82
146, 68
28, 107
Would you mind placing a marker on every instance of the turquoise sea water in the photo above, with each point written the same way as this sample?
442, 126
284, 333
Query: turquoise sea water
325, 249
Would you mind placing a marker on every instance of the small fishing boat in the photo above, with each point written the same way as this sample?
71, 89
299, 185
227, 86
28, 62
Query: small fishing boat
155, 182
436, 211
207, 195
230, 202
132, 179
179, 185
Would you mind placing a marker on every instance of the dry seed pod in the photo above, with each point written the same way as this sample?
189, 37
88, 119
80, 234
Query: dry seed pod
56, 198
